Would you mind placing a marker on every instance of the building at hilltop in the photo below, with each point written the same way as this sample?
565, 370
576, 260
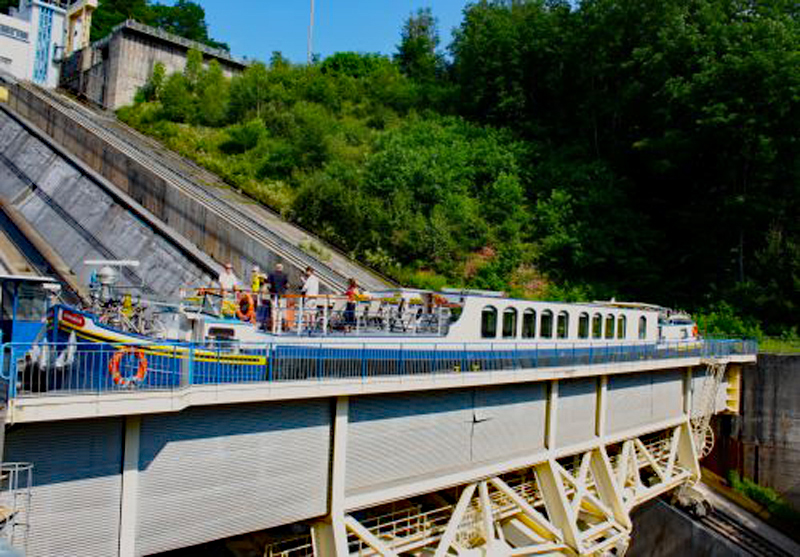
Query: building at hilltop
38, 33
111, 70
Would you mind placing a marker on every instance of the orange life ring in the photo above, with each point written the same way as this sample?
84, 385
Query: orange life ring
250, 314
116, 359
696, 332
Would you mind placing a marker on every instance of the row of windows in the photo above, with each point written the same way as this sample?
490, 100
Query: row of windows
615, 327
13, 33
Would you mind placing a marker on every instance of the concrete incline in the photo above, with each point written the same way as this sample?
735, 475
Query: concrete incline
246, 221
81, 216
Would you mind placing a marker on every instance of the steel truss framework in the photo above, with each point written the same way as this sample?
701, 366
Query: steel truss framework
575, 505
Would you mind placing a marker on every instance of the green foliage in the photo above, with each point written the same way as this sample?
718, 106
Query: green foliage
416, 53
110, 13
722, 320
767, 497
5, 5
185, 18
570, 151
212, 95
176, 99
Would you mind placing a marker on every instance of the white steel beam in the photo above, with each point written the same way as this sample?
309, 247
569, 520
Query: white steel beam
607, 488
536, 521
455, 521
330, 534
602, 403
552, 416
557, 503
487, 516
367, 537
129, 506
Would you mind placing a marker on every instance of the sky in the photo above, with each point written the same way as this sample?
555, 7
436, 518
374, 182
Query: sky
256, 28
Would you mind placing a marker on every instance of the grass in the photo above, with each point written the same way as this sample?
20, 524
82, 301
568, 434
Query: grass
779, 346
768, 498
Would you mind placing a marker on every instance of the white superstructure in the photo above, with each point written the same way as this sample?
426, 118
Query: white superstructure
33, 37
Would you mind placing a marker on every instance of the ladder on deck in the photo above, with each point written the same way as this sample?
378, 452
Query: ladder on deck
701, 419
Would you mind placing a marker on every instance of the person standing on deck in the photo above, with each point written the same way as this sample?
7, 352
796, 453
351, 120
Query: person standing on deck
310, 287
227, 280
256, 278
353, 294
278, 284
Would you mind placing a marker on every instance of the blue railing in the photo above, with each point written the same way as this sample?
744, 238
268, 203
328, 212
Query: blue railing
93, 368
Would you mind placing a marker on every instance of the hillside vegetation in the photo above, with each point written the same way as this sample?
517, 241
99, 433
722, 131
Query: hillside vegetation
638, 149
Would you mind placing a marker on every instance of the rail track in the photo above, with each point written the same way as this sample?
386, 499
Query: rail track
752, 543
208, 190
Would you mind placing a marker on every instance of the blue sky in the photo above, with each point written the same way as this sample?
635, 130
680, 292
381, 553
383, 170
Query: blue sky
256, 28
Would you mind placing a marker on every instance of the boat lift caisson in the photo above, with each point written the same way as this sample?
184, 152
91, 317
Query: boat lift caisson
117, 342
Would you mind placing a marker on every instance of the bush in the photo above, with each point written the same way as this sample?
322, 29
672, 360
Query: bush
723, 320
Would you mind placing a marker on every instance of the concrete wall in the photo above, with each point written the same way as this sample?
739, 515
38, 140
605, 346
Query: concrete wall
217, 232
661, 531
111, 71
81, 219
15, 43
769, 427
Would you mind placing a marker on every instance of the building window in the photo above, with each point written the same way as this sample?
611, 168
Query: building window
597, 325
41, 62
643, 327
583, 325
562, 325
510, 323
529, 324
609, 326
547, 324
622, 326
489, 322
13, 33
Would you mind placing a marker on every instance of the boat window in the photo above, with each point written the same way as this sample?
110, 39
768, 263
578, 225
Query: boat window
529, 324
562, 325
622, 325
219, 333
609, 326
547, 324
597, 325
510, 323
643, 327
583, 325
489, 322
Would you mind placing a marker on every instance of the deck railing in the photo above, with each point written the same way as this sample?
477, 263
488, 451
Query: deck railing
93, 368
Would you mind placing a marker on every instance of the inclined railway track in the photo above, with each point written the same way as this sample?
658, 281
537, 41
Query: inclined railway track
245, 216
752, 543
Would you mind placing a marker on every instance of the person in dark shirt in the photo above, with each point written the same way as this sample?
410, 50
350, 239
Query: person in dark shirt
278, 281
278, 284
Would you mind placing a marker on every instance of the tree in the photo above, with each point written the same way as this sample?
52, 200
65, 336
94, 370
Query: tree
193, 69
249, 92
154, 87
110, 13
186, 18
177, 101
213, 95
416, 54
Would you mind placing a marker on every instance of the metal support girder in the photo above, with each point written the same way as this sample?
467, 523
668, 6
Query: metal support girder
455, 520
535, 520
557, 503
330, 535
679, 466
487, 516
368, 537
130, 487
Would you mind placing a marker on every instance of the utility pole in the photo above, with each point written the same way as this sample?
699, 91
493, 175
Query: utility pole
311, 34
